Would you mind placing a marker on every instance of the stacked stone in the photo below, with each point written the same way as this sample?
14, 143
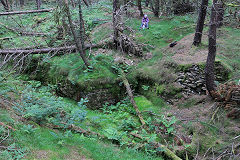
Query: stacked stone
192, 80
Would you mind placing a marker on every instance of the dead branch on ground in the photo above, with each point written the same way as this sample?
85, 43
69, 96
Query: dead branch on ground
25, 12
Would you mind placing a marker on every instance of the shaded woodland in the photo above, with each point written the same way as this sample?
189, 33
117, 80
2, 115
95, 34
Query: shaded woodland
81, 79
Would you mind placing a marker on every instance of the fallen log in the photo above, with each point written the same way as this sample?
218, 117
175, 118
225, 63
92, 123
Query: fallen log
5, 38
167, 151
60, 50
77, 129
130, 94
25, 12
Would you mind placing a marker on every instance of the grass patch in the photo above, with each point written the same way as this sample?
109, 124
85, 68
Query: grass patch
188, 103
229, 49
72, 68
145, 105
162, 32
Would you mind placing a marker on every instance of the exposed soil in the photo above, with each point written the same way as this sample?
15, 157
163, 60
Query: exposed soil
41, 154
199, 111
185, 53
205, 113
75, 155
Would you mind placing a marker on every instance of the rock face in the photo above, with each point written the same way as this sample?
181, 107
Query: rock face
192, 79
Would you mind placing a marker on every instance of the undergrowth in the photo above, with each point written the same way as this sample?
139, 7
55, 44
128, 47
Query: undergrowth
38, 106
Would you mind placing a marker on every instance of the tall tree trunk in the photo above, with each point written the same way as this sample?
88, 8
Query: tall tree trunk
139, 3
220, 13
147, 3
200, 23
21, 3
73, 3
82, 30
151, 5
126, 8
5, 5
157, 8
116, 7
77, 43
8, 4
169, 7
38, 3
209, 70
130, 94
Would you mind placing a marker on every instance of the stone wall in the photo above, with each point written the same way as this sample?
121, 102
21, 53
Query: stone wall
192, 78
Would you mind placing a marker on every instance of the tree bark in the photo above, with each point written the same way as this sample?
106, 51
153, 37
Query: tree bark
169, 7
147, 3
116, 7
200, 23
81, 24
139, 3
157, 8
5, 5
21, 3
220, 14
167, 151
73, 3
77, 43
151, 5
38, 3
46, 50
130, 94
209, 69
25, 12
86, 3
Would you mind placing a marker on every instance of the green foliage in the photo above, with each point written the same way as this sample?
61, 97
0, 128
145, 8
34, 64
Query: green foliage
160, 89
146, 105
144, 87
166, 125
42, 106
10, 150
13, 152
122, 106
128, 124
229, 43
114, 134
29, 129
72, 68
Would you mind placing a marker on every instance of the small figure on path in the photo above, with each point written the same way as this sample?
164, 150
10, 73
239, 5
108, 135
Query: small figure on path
145, 21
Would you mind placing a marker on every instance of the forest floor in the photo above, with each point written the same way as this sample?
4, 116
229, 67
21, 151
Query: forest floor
202, 126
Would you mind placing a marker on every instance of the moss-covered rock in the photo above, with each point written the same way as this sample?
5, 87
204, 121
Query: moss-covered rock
222, 70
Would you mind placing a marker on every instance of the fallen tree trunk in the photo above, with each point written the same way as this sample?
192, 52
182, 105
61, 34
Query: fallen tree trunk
167, 151
25, 12
130, 94
5, 38
77, 129
47, 50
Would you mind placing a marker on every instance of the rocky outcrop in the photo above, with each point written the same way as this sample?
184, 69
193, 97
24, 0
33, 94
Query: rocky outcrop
192, 78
